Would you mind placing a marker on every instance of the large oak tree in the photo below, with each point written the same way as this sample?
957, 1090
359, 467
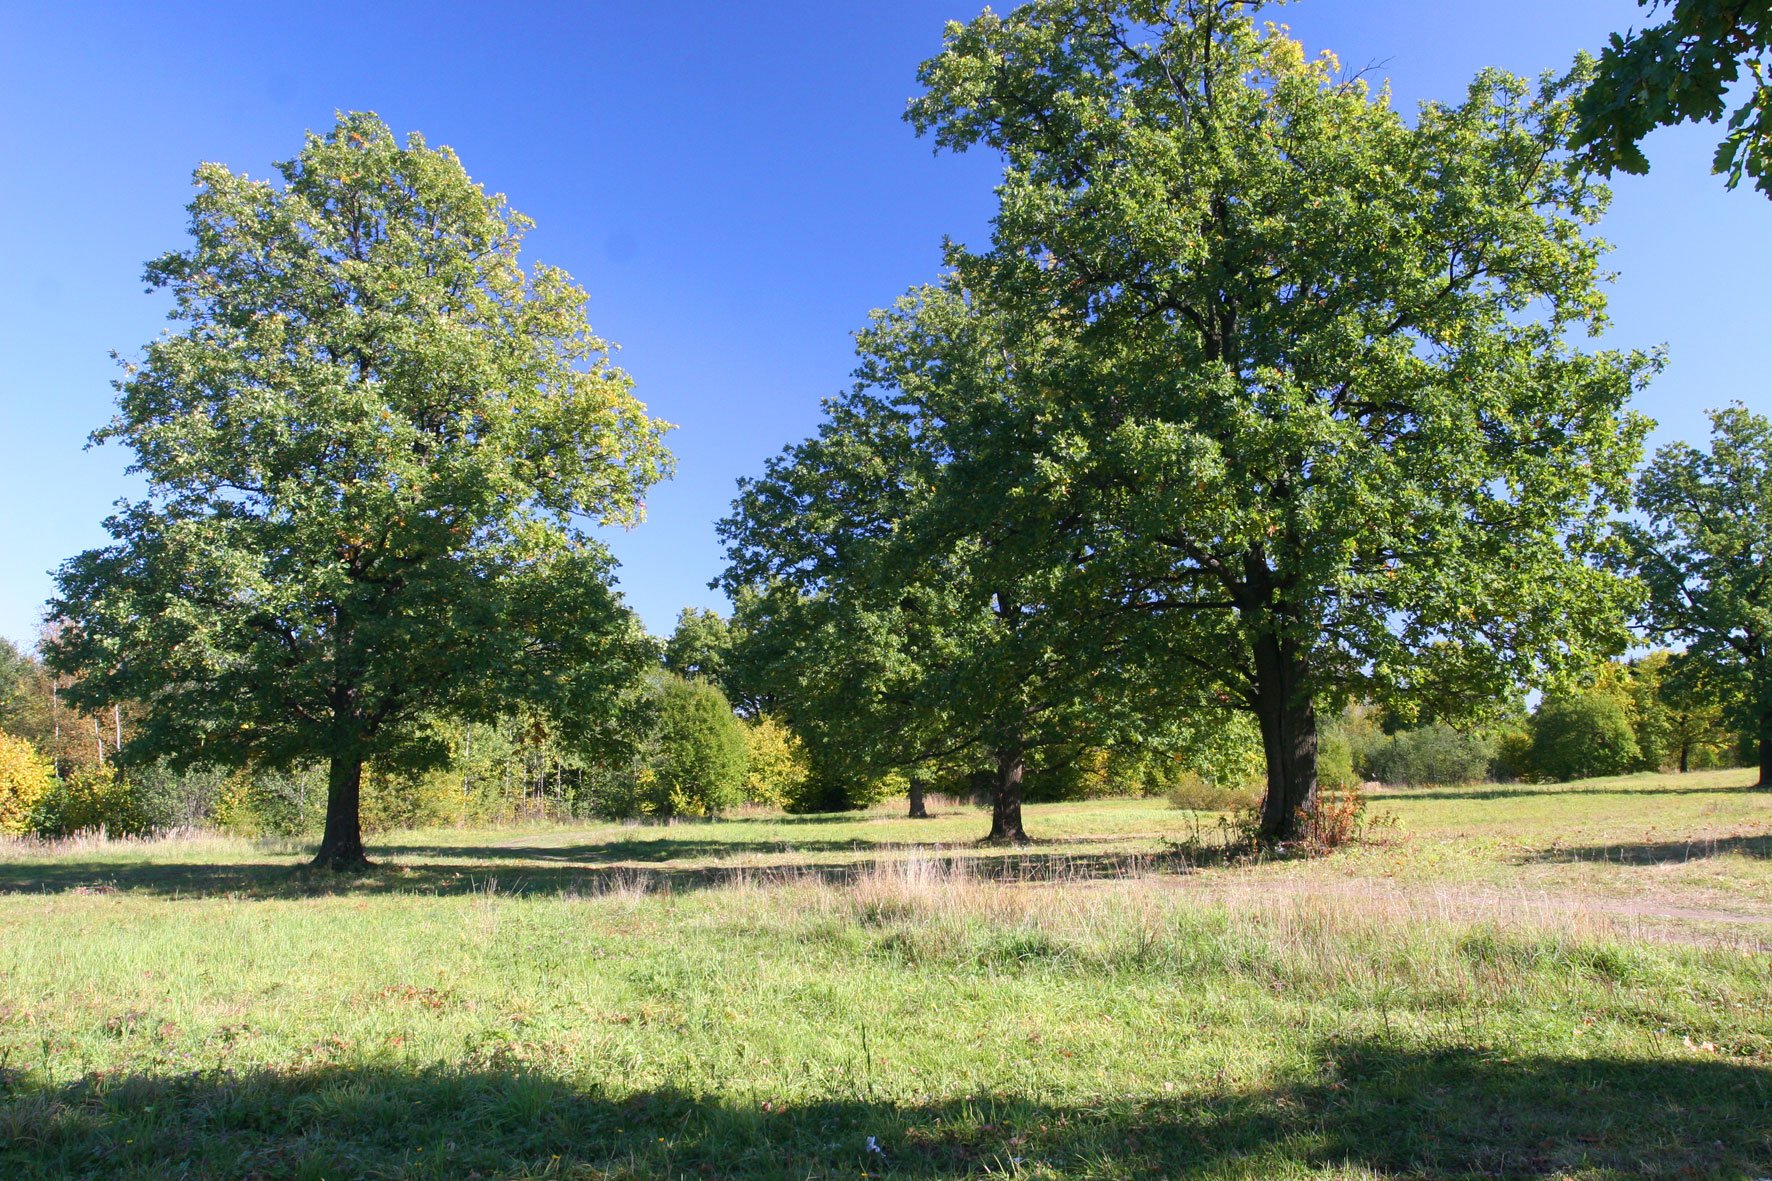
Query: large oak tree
1333, 434
374, 447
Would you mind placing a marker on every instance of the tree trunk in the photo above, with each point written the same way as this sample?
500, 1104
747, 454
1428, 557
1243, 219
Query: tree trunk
1765, 751
919, 810
1685, 756
1006, 799
1289, 740
341, 847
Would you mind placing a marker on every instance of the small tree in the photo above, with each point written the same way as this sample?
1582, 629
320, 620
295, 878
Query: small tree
1582, 735
373, 452
699, 645
1703, 549
775, 763
697, 756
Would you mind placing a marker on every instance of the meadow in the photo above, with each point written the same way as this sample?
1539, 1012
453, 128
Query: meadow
1570, 980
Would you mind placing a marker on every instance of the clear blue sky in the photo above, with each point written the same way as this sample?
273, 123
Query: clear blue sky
731, 182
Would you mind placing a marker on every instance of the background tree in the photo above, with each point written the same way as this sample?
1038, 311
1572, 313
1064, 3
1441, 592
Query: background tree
1323, 444
373, 451
1681, 71
699, 645
1703, 549
924, 602
696, 755
1581, 734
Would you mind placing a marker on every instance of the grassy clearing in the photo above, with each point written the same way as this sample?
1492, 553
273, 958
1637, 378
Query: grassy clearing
765, 996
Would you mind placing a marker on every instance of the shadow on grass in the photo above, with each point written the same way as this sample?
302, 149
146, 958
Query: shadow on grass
542, 876
1369, 1107
1529, 791
1658, 852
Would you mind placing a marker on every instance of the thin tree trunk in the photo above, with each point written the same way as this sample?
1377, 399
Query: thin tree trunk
919, 810
117, 720
98, 736
341, 846
1006, 799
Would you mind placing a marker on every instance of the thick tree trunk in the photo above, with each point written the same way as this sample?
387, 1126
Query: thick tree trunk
341, 847
1289, 740
919, 810
1006, 799
1765, 752
1685, 757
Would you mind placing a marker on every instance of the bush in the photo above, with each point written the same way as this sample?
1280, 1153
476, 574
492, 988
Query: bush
1192, 792
1435, 753
90, 799
26, 777
695, 764
1335, 759
1582, 735
776, 766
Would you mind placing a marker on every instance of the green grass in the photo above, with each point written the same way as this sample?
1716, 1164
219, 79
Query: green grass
1493, 990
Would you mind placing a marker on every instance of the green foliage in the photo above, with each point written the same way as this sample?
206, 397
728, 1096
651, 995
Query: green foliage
1433, 754
1278, 382
698, 646
694, 758
93, 799
375, 450
1682, 71
1702, 548
1335, 759
1581, 735
15, 674
26, 777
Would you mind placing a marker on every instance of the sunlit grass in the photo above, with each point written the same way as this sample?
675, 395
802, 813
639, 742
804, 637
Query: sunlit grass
761, 996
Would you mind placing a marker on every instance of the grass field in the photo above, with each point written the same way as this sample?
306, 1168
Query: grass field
1570, 981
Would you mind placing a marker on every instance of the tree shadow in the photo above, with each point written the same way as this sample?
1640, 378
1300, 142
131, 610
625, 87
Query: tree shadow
262, 880
1531, 792
1367, 1106
1657, 852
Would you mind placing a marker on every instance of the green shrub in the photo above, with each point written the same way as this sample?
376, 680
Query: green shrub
1194, 793
1582, 735
90, 799
1335, 759
1435, 753
695, 760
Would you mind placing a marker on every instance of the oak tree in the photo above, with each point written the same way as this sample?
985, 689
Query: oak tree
1332, 431
1702, 545
375, 447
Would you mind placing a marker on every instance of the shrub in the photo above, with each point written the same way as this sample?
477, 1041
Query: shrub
776, 766
696, 758
1435, 753
1582, 735
25, 779
1192, 792
1335, 759
93, 798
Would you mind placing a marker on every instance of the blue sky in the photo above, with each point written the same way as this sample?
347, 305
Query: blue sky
732, 183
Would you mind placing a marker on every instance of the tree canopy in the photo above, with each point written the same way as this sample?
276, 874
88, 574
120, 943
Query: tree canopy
1321, 422
1682, 71
374, 448
1702, 546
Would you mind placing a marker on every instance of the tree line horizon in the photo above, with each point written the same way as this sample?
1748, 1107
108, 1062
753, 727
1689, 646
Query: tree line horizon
1263, 404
